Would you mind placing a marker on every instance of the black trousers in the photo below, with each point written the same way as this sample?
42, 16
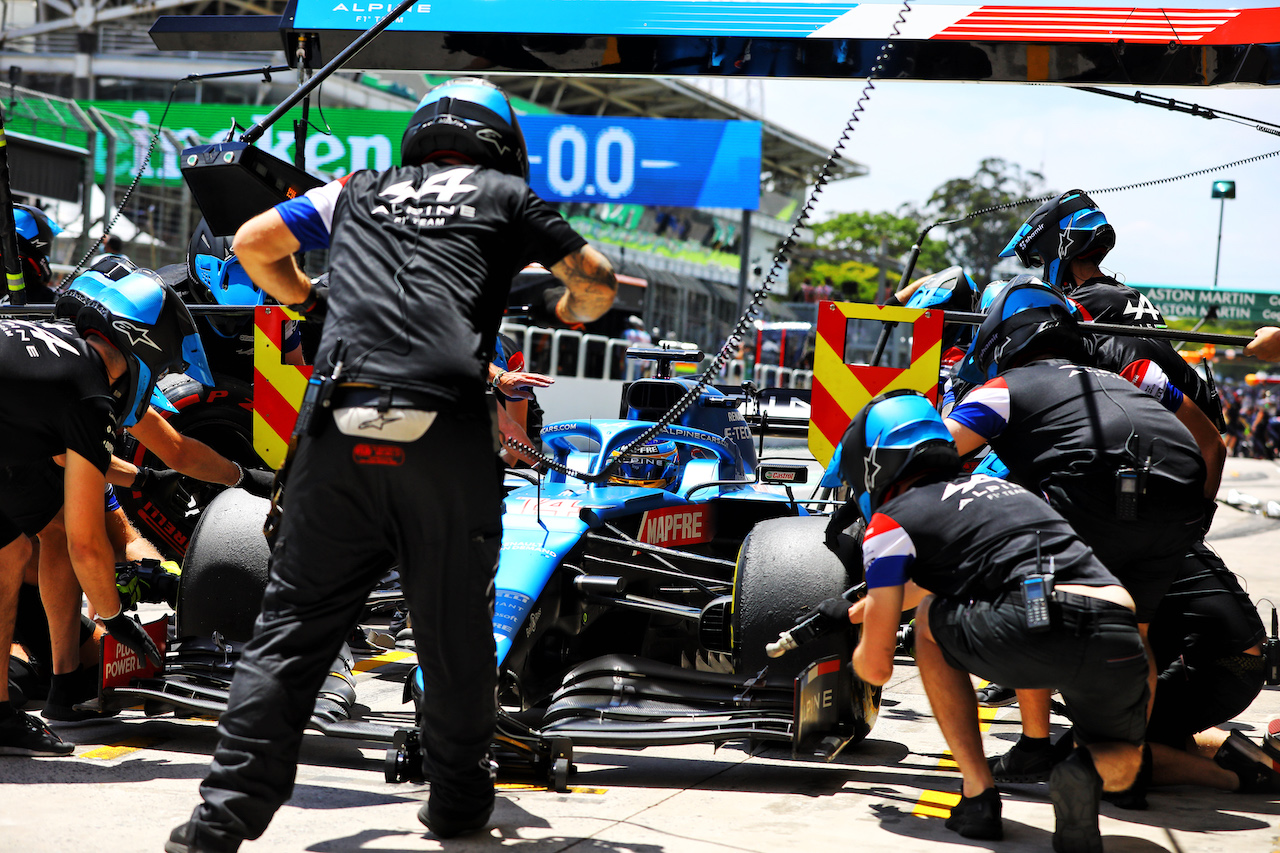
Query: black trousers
354, 508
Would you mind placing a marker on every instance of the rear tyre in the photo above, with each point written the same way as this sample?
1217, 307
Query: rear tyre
222, 418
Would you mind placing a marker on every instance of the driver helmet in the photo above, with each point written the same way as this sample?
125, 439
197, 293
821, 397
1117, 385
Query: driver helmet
144, 319
1027, 319
35, 232
652, 465
895, 435
470, 118
217, 278
1059, 231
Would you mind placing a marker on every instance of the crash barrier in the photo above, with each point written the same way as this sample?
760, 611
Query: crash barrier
570, 353
841, 389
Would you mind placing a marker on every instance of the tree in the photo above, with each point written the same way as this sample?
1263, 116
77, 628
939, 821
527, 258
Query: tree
976, 243
847, 250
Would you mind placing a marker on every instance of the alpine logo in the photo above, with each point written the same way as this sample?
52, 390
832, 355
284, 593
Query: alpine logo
445, 186
1141, 308
136, 334
680, 525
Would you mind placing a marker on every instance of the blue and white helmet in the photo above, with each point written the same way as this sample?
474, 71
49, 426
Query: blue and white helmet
1027, 318
952, 289
1059, 231
471, 118
895, 435
147, 322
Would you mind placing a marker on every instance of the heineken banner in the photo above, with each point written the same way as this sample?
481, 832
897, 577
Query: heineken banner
675, 162
1253, 306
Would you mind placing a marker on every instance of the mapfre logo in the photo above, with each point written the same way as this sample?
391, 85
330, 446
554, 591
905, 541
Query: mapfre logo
678, 525
445, 186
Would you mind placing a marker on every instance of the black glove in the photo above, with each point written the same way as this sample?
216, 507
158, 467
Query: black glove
128, 632
834, 610
256, 482
156, 482
316, 305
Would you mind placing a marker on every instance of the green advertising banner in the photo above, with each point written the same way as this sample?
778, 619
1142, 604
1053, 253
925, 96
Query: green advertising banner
339, 140
1257, 307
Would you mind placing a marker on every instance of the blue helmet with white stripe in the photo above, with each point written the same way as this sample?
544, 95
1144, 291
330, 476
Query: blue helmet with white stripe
147, 322
469, 118
1059, 231
895, 435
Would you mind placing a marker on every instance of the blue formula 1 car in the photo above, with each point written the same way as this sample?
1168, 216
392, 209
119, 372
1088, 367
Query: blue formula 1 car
632, 609
636, 611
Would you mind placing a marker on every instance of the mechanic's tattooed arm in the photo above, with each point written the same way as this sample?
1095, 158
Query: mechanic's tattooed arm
590, 282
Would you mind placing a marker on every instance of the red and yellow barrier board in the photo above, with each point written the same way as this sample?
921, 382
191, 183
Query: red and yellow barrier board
277, 387
840, 390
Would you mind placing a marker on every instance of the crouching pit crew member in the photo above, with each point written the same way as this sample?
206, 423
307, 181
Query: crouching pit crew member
400, 468
66, 389
1003, 589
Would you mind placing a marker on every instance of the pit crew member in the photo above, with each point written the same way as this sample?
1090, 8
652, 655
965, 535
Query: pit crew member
401, 467
66, 390
1117, 465
1003, 588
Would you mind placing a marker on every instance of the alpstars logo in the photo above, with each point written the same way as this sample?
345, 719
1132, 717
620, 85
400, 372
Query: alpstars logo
136, 334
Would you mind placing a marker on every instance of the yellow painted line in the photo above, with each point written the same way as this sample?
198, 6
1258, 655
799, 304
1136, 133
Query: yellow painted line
124, 747
520, 786
940, 803
936, 804
381, 660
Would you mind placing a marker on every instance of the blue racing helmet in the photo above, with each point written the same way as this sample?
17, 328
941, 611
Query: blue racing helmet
1027, 318
470, 118
989, 294
35, 239
951, 289
144, 319
895, 435
652, 465
1059, 231
217, 278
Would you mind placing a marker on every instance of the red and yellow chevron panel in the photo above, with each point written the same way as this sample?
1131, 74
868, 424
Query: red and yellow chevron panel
277, 387
840, 390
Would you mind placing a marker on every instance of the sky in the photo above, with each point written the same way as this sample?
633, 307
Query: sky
914, 136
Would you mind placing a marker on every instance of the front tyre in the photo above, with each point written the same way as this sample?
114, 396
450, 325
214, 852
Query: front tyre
221, 417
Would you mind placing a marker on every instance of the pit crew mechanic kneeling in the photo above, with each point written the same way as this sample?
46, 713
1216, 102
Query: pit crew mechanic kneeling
66, 389
1111, 459
402, 466
1003, 588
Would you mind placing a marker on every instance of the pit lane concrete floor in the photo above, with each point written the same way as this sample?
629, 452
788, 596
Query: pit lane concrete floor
131, 779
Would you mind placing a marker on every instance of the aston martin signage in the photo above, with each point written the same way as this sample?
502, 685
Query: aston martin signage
1193, 302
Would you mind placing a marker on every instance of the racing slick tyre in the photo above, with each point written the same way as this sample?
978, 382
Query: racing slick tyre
221, 417
784, 569
225, 572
